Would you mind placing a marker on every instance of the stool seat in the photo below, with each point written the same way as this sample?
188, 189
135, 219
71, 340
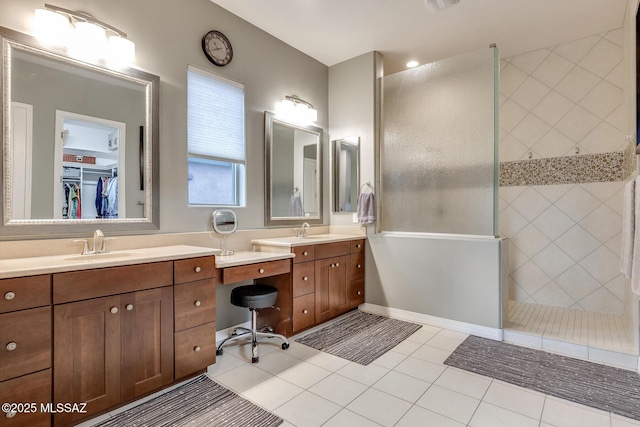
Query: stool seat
254, 296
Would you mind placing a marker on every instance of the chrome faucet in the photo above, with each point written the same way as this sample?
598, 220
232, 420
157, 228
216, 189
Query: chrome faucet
98, 242
302, 231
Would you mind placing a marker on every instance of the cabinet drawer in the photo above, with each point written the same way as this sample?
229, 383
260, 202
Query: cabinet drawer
86, 284
357, 246
195, 303
195, 349
255, 271
303, 278
24, 292
328, 250
357, 266
303, 312
303, 253
25, 339
29, 389
189, 270
356, 293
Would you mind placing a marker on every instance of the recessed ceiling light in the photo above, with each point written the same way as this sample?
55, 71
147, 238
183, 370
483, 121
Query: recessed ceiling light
412, 64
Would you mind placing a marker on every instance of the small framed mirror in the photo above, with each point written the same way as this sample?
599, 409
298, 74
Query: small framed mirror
346, 174
224, 221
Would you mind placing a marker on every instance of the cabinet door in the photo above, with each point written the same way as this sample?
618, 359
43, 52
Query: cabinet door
86, 348
147, 341
332, 297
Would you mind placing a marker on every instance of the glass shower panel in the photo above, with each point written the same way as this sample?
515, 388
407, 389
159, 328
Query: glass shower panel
438, 147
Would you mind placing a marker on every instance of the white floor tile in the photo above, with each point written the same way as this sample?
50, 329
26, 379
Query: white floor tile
304, 374
468, 383
367, 375
449, 403
562, 413
407, 347
389, 360
431, 354
272, 393
417, 416
347, 418
402, 386
328, 361
620, 421
276, 362
422, 335
379, 407
425, 371
488, 415
338, 389
301, 351
308, 410
242, 378
224, 363
516, 399
444, 342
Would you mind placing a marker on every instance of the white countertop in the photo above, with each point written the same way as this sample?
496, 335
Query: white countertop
289, 242
18, 267
248, 257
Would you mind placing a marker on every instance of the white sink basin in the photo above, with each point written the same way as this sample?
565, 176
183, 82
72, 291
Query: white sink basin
95, 257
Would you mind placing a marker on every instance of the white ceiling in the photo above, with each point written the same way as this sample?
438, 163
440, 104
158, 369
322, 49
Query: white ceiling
333, 31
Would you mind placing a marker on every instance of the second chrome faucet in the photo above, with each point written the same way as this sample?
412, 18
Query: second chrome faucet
99, 244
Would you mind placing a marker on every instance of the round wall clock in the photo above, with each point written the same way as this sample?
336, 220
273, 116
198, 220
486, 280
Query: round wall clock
217, 48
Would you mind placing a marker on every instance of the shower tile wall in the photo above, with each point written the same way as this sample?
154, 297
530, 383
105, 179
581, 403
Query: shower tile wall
565, 238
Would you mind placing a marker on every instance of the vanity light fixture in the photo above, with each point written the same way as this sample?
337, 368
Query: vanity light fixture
438, 5
83, 35
298, 109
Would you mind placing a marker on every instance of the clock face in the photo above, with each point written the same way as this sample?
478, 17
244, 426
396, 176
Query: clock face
217, 48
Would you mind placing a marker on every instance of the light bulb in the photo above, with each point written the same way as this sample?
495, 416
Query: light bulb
88, 41
51, 27
121, 51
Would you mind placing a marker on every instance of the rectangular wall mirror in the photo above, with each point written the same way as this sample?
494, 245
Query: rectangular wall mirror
80, 143
293, 157
346, 174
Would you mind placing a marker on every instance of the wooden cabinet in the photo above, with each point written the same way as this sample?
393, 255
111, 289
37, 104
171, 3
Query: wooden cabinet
332, 288
27, 390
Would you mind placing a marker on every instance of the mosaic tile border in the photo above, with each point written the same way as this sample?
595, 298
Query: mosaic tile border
601, 167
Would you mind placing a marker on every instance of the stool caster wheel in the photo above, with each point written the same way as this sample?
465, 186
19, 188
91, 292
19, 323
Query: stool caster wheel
255, 359
285, 346
219, 352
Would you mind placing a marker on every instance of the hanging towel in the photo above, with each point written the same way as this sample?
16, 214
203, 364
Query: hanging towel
628, 228
295, 205
366, 210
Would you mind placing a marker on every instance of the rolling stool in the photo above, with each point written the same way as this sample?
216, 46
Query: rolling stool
253, 297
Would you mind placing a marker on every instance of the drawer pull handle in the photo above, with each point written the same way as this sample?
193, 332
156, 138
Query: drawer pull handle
9, 296
359, 292
196, 349
359, 266
197, 303
305, 278
129, 307
11, 414
197, 269
114, 310
305, 311
261, 271
305, 253
12, 346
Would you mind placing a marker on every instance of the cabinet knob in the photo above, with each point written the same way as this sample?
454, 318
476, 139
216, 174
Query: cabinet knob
12, 346
129, 307
196, 349
359, 292
11, 414
261, 271
337, 264
305, 311
114, 310
358, 245
305, 253
359, 266
305, 278
197, 269
332, 265
197, 303
9, 296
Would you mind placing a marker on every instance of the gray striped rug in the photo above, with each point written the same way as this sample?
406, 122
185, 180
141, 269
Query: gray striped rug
601, 387
360, 337
199, 403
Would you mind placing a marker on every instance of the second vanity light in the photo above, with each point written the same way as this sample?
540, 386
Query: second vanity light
298, 110
84, 36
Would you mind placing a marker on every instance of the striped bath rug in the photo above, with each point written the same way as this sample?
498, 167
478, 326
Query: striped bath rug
598, 386
199, 403
360, 337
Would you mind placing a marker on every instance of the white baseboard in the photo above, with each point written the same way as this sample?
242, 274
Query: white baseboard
225, 333
454, 325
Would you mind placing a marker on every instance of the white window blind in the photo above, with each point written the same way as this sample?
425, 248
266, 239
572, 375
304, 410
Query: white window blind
215, 117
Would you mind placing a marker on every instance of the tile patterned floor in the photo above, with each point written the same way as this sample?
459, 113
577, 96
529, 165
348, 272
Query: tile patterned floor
409, 386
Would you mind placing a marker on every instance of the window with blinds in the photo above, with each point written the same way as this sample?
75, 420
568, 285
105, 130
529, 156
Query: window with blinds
216, 139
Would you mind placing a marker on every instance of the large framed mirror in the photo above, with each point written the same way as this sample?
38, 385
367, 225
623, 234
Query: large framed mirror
346, 174
293, 156
80, 143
